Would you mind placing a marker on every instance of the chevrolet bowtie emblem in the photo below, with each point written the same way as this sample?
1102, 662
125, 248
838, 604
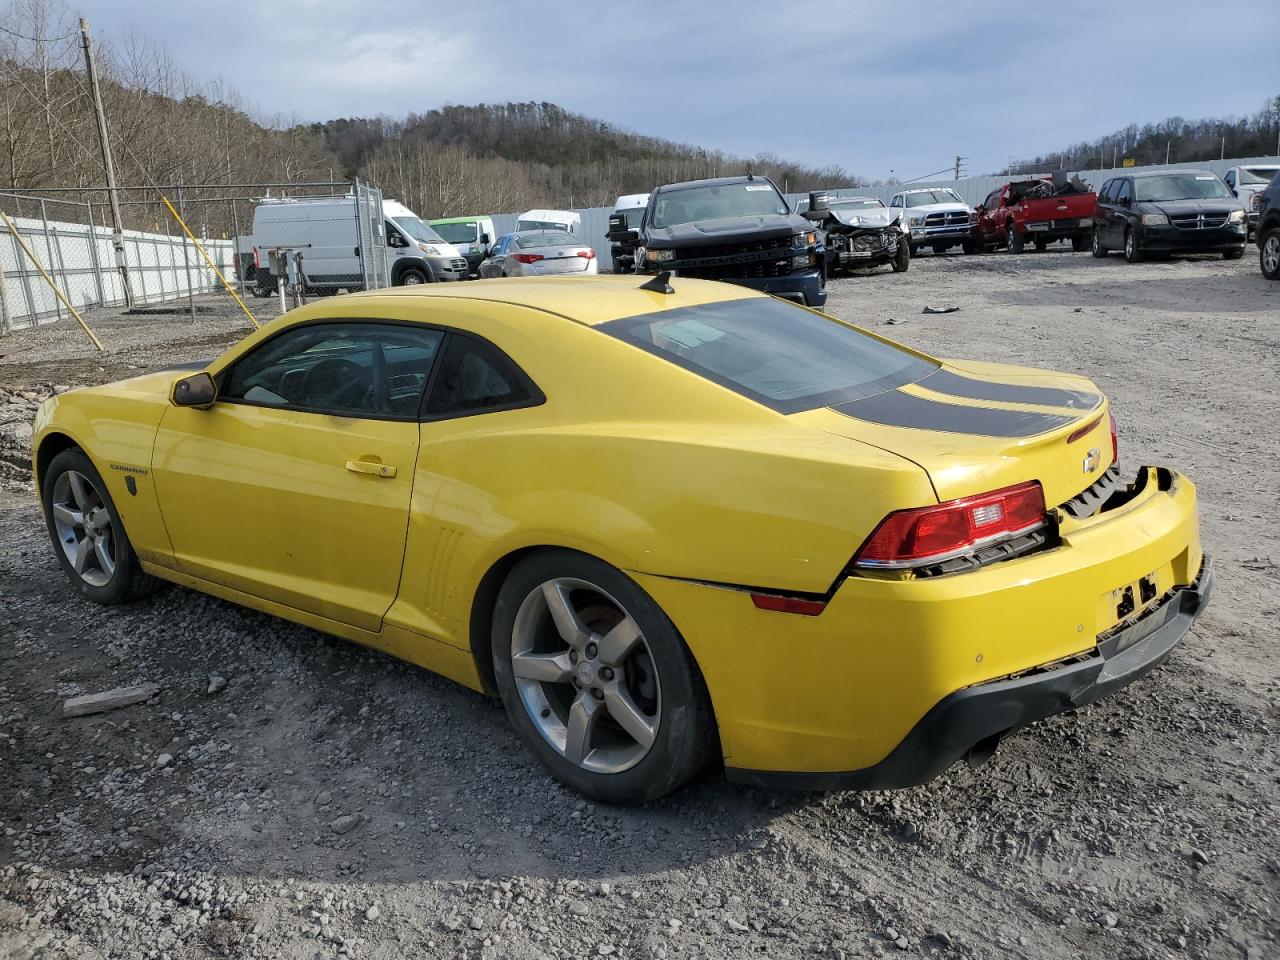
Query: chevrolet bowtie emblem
1091, 460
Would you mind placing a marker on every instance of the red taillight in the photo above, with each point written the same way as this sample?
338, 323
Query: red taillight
587, 254
1115, 442
527, 257
256, 264
781, 604
911, 538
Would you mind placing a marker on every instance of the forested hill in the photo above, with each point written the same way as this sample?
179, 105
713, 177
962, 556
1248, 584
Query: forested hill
516, 155
1174, 138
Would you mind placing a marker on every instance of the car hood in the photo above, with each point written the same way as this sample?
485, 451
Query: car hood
870, 217
976, 427
727, 230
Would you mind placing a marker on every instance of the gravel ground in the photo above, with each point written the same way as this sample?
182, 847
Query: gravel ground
289, 795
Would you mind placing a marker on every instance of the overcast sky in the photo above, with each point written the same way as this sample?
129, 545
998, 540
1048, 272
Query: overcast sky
888, 87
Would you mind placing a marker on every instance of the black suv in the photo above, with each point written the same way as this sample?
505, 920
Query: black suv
1268, 236
736, 229
1175, 211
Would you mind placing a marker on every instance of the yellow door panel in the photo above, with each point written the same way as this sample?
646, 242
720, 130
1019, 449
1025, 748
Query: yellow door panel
303, 509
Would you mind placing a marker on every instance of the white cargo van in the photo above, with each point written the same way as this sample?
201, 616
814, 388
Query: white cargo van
325, 231
550, 220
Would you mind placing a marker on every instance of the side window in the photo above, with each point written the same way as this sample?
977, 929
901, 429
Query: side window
1230, 178
896, 201
366, 370
394, 239
475, 377
1104, 194
1125, 192
992, 202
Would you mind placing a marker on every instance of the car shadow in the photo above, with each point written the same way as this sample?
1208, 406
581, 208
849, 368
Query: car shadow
318, 759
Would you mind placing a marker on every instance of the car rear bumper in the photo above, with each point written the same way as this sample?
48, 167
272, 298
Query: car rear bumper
832, 695
971, 722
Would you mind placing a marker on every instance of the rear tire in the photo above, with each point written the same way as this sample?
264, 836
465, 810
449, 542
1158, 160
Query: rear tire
1079, 243
597, 681
1096, 245
88, 536
1041, 244
1132, 252
1269, 254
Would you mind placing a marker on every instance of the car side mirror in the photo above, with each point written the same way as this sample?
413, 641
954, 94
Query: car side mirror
484, 238
819, 203
197, 390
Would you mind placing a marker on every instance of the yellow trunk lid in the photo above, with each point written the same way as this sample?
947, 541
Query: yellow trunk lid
976, 427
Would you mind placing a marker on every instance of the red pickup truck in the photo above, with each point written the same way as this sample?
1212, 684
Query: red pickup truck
1042, 210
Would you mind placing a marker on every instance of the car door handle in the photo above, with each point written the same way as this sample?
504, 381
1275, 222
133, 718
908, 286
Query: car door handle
371, 467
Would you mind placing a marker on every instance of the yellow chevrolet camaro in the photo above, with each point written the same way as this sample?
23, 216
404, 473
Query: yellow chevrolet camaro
663, 525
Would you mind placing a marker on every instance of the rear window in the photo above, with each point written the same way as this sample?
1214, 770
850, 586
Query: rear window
546, 238
773, 352
1257, 174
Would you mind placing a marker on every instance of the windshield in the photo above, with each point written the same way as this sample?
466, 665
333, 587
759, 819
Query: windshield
468, 232
926, 197
860, 203
632, 215
1179, 186
418, 229
546, 238
540, 225
1257, 174
758, 199
773, 352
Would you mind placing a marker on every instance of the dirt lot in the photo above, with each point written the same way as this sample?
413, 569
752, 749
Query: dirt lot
327, 801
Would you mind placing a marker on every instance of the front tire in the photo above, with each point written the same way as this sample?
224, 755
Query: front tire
1269, 254
412, 277
1233, 254
1132, 252
1014, 241
88, 536
597, 681
902, 259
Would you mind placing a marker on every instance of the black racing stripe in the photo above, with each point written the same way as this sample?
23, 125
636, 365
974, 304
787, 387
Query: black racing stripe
944, 381
897, 409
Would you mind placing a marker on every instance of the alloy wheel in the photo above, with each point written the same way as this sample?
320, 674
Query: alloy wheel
84, 528
585, 675
1097, 243
1271, 254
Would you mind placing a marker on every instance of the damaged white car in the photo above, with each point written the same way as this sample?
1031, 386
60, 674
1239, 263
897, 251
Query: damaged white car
862, 232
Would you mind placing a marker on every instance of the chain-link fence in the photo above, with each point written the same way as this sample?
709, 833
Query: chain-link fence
275, 245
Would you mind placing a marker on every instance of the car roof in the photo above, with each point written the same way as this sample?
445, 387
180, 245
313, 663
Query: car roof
1177, 171
846, 199
478, 216
711, 182
587, 300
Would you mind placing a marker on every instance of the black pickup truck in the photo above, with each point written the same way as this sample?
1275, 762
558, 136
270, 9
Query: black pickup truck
736, 229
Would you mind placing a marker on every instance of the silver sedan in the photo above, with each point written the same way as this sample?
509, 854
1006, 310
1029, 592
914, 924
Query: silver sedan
539, 253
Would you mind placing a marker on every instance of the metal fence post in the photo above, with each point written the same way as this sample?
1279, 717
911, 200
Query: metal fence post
376, 229
142, 270
25, 276
362, 249
6, 324
93, 258
62, 264
48, 250
235, 248
186, 262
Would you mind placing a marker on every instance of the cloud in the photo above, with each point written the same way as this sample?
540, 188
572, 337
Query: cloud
874, 87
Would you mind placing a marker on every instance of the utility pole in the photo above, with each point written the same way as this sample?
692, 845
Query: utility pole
117, 230
959, 165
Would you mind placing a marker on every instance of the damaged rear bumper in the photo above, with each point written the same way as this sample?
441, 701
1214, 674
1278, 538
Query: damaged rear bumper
970, 722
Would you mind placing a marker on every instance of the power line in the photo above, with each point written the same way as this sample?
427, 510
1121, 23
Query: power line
23, 36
